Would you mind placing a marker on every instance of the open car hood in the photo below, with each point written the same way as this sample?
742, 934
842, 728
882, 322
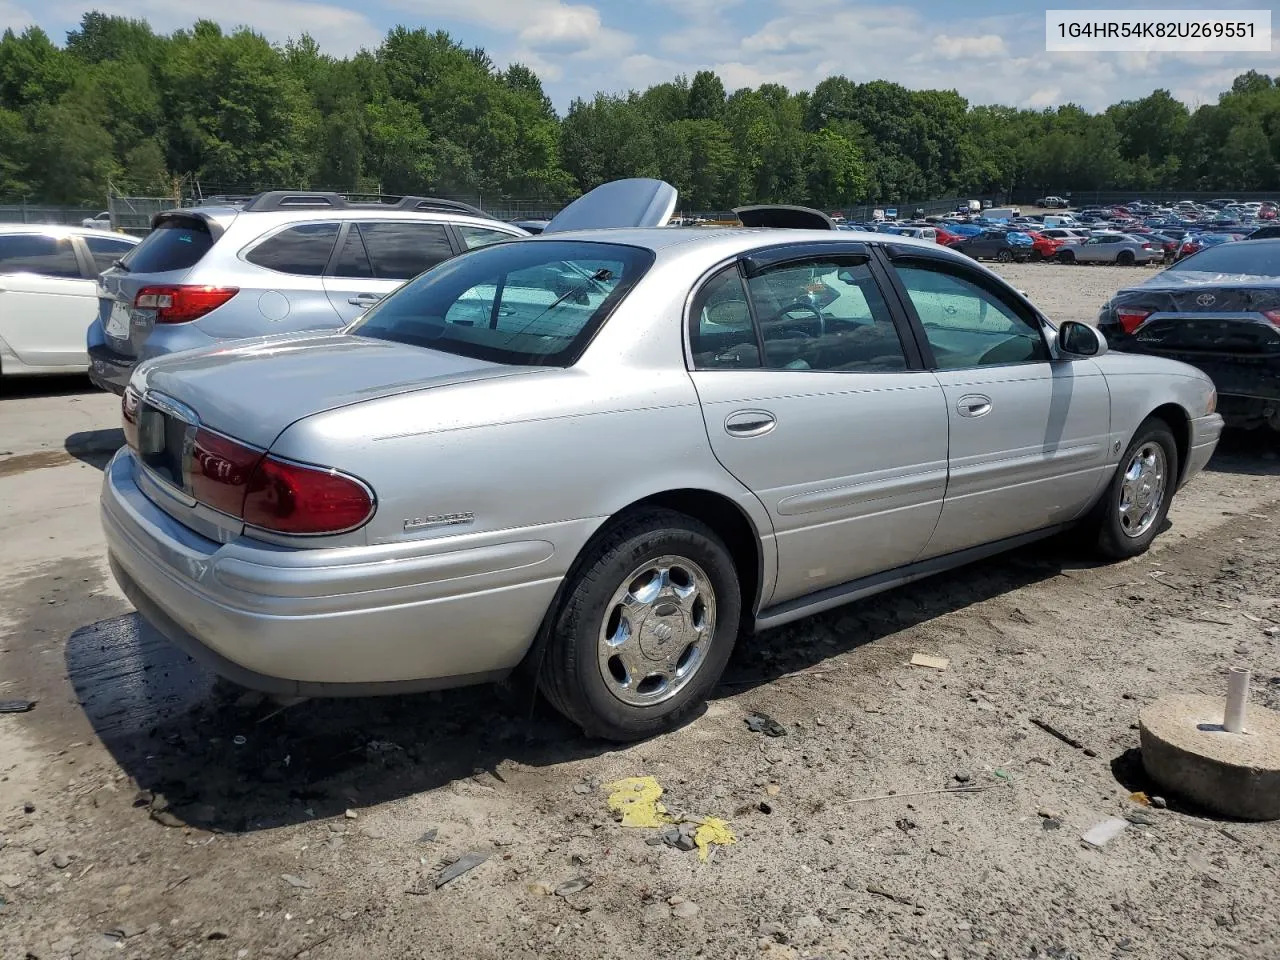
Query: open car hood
637, 202
784, 217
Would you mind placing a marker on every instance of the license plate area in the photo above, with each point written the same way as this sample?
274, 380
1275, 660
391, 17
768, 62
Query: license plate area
164, 445
119, 321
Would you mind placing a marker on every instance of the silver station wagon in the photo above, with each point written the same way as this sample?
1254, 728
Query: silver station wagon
604, 454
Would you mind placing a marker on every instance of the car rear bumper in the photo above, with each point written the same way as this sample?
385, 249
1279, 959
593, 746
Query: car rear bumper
109, 370
344, 621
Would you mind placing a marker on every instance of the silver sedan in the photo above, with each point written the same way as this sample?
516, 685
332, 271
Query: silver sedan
604, 455
1118, 248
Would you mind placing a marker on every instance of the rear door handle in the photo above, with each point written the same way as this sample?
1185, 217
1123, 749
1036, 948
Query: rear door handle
750, 423
974, 405
364, 299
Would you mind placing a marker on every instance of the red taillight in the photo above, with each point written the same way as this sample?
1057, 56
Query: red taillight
129, 415
220, 471
291, 498
1131, 318
1146, 246
1273, 316
181, 303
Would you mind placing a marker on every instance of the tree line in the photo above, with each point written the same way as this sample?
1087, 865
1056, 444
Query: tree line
423, 113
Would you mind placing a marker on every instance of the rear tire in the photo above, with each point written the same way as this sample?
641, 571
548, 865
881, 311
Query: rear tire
1125, 258
1134, 506
1004, 256
625, 658
1066, 256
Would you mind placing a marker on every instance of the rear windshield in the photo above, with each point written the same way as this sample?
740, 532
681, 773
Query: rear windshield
1255, 259
531, 303
175, 244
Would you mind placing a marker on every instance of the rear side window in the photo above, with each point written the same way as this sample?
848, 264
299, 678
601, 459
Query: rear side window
303, 250
39, 254
177, 243
400, 249
530, 304
106, 251
481, 236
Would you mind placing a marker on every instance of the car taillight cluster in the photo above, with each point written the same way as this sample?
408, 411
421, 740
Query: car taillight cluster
274, 494
262, 490
1130, 318
182, 303
1273, 316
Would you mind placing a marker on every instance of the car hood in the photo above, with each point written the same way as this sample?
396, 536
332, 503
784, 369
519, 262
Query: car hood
253, 389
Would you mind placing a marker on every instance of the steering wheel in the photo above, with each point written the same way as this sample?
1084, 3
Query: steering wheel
784, 318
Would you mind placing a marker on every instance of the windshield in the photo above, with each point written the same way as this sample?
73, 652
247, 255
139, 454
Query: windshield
1259, 258
534, 303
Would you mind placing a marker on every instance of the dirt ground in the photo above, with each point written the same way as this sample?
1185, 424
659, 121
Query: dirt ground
149, 812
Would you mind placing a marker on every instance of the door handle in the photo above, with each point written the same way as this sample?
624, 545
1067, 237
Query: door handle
364, 299
750, 423
974, 405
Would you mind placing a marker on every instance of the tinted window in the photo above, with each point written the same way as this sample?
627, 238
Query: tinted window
399, 250
106, 251
176, 244
825, 315
353, 258
533, 304
1250, 259
481, 236
303, 250
967, 325
36, 253
721, 334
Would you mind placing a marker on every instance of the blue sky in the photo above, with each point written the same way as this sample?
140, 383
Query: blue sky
992, 51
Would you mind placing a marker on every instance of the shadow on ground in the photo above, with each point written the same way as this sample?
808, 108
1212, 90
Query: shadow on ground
177, 730
19, 388
95, 447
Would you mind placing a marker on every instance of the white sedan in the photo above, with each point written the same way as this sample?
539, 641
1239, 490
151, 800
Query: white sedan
48, 295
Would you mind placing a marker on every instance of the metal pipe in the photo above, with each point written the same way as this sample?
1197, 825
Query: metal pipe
1237, 700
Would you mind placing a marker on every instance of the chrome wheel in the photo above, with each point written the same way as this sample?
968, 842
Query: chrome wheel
656, 632
1142, 490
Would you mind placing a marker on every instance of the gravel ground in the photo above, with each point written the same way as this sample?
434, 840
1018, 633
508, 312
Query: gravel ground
1073, 292
147, 811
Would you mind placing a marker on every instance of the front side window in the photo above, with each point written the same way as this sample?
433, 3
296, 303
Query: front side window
38, 254
530, 304
825, 314
303, 250
966, 324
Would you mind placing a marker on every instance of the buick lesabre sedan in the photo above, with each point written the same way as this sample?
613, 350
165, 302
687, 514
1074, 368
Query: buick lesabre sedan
601, 455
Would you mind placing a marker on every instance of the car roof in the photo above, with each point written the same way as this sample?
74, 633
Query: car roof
730, 241
64, 230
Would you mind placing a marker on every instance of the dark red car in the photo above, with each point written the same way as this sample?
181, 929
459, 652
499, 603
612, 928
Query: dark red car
1044, 248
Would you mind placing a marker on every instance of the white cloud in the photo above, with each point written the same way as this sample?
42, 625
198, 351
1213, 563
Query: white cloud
339, 31
549, 26
986, 47
14, 16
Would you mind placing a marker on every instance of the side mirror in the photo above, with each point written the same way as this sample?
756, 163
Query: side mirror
1079, 340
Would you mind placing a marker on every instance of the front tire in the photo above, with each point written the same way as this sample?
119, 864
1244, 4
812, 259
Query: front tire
1136, 501
1004, 256
648, 622
1066, 256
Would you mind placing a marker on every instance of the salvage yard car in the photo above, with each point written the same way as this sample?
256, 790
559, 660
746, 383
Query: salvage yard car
1218, 309
279, 262
605, 481
47, 294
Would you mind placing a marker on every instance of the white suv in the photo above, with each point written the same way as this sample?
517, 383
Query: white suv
48, 296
